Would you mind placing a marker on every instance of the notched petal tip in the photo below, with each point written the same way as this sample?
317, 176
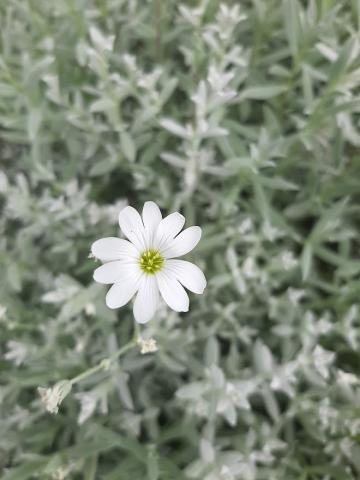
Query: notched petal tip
146, 301
93, 247
188, 274
128, 210
203, 285
184, 242
96, 276
197, 230
150, 203
110, 305
122, 291
140, 320
132, 226
186, 307
180, 215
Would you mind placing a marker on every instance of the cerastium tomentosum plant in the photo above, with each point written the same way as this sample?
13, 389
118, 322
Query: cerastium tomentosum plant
145, 266
243, 116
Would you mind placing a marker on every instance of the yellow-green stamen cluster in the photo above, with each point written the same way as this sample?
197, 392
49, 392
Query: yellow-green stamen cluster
151, 261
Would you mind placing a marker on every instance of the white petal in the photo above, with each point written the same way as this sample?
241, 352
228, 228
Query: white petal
147, 299
188, 275
168, 228
112, 248
123, 291
183, 243
151, 217
172, 291
113, 272
132, 227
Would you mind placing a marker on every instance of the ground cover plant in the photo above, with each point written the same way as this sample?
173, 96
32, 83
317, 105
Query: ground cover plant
244, 117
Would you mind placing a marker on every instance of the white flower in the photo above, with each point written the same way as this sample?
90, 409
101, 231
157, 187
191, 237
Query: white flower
147, 345
144, 264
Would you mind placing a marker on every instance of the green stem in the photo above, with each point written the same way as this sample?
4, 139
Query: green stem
104, 364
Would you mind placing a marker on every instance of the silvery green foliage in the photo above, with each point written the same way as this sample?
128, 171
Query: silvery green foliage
244, 116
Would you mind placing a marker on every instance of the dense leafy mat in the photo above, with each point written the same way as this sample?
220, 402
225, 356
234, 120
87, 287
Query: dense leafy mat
244, 116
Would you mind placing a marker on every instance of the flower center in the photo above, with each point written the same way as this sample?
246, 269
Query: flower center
151, 261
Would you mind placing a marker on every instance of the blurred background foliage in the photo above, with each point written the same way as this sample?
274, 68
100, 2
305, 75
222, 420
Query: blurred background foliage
245, 117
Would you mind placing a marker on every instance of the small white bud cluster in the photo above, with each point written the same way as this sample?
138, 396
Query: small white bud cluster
147, 345
52, 397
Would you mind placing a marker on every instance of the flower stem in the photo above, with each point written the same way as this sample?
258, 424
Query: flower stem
104, 364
